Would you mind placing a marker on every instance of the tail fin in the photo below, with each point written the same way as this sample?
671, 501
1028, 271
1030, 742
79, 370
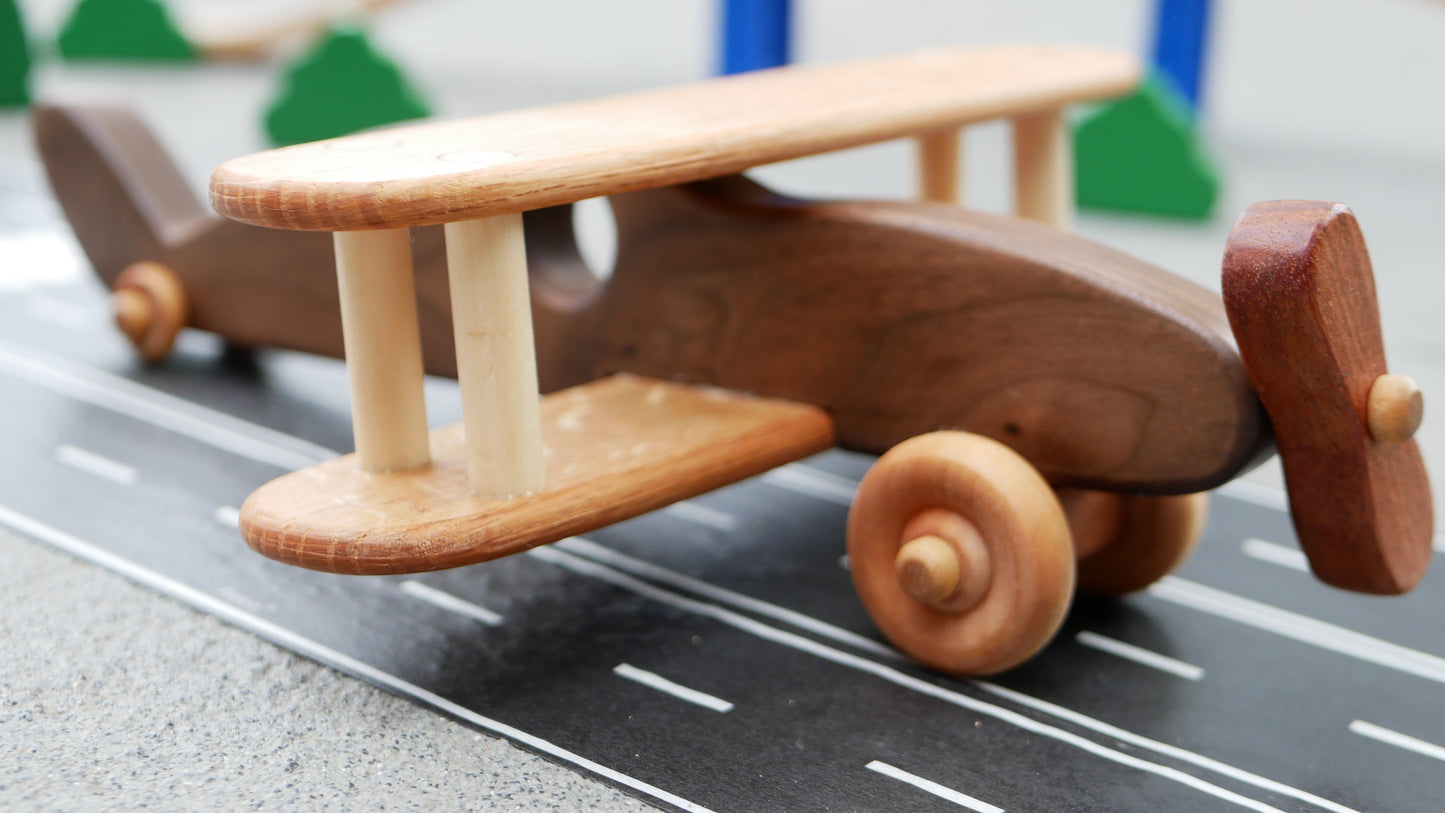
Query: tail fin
123, 195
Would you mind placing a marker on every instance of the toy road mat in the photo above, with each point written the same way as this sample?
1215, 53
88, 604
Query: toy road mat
713, 656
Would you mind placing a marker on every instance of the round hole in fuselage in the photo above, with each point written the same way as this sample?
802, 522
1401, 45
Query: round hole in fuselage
596, 233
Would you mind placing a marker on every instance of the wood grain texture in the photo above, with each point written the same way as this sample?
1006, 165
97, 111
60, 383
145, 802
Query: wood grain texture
616, 448
461, 170
1301, 297
899, 319
383, 349
496, 359
1016, 564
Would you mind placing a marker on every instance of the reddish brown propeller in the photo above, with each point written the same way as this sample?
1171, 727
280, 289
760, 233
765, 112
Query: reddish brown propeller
1300, 294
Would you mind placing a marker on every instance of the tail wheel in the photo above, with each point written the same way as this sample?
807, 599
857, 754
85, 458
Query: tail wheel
961, 553
1127, 542
150, 308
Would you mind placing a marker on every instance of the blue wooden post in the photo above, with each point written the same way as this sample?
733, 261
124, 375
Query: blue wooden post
756, 34
1181, 37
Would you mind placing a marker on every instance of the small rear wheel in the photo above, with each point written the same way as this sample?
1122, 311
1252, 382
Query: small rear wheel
961, 553
150, 308
1127, 542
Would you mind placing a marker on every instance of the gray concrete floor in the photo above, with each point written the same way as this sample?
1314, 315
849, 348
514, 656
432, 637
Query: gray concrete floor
115, 698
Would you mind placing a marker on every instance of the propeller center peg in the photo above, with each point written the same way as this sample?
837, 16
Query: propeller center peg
1394, 409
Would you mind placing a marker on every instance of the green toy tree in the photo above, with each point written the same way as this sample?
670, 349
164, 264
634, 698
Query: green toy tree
123, 29
1140, 154
341, 86
14, 57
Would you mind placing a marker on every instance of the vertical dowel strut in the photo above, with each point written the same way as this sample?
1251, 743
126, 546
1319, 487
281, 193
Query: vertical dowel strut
496, 359
383, 348
938, 166
1043, 168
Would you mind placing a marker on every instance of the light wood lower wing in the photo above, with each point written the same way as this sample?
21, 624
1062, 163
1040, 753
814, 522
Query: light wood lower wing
615, 448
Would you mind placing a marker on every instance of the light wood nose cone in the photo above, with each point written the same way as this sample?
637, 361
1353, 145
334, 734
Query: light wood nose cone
928, 569
1395, 408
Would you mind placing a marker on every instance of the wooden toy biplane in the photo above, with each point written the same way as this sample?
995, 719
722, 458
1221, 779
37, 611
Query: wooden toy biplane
1047, 410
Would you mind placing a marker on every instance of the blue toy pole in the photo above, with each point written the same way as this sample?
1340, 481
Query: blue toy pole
1181, 36
756, 34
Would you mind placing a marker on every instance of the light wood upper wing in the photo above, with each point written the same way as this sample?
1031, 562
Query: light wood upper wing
450, 171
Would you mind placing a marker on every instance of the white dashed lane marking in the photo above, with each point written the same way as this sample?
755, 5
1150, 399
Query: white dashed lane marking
1398, 740
446, 601
960, 799
700, 514
1140, 655
227, 515
95, 464
1275, 554
653, 680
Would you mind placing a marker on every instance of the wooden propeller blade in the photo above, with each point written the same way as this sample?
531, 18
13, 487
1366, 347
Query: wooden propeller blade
1300, 294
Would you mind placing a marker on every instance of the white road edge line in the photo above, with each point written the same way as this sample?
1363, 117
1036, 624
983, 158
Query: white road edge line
652, 680
1397, 739
1140, 655
446, 601
1275, 554
305, 646
960, 799
807, 480
92, 463
160, 409
892, 675
699, 514
591, 550
1301, 628
227, 515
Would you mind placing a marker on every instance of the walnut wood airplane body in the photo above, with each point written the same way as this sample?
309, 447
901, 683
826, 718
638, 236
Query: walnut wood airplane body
901, 319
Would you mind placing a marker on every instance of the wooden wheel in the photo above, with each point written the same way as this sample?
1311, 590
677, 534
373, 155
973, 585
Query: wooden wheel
960, 552
1127, 542
150, 308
